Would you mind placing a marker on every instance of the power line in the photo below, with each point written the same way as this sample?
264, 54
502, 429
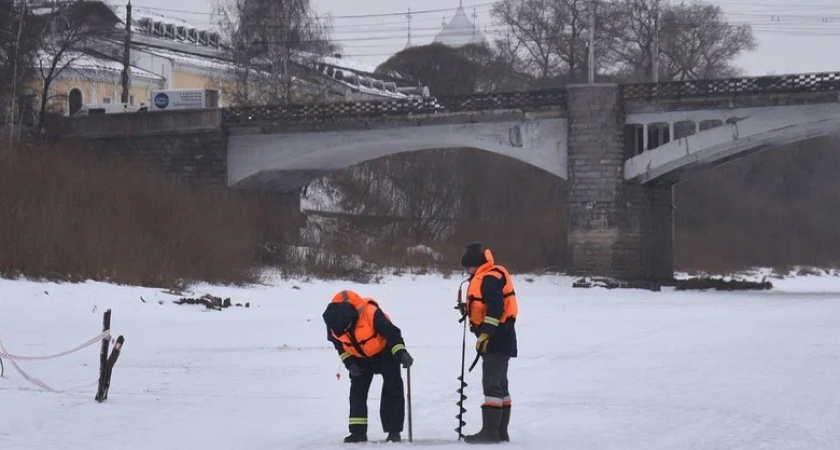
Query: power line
752, 20
352, 16
772, 20
808, 24
771, 16
365, 26
765, 4
398, 34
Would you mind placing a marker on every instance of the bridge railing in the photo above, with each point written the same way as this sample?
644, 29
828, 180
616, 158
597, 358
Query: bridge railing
319, 112
813, 82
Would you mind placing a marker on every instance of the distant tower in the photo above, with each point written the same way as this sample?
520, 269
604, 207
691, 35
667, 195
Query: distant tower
460, 30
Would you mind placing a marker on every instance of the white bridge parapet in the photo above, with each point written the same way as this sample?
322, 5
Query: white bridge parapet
744, 130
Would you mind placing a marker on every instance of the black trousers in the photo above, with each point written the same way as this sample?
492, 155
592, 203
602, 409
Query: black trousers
494, 380
392, 401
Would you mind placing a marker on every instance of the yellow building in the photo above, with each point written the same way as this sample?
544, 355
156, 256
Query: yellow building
169, 53
89, 81
182, 70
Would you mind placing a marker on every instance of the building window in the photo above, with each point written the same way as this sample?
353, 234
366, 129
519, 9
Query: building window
106, 100
75, 101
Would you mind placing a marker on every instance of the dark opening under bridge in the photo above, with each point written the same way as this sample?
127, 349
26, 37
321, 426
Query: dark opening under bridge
621, 148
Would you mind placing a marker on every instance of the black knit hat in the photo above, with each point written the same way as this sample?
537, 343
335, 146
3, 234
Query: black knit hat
473, 256
339, 317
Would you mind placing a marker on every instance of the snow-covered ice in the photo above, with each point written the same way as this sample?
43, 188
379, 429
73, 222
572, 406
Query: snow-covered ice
598, 369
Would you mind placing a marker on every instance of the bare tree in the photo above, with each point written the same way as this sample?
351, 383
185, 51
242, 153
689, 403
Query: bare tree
423, 201
536, 31
695, 41
549, 39
698, 43
634, 31
548, 36
273, 44
16, 51
574, 41
66, 31
509, 53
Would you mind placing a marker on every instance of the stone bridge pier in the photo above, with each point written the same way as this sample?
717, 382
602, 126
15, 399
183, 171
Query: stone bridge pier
616, 228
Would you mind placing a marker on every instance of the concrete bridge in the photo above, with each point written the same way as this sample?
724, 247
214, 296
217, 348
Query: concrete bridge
620, 147
284, 149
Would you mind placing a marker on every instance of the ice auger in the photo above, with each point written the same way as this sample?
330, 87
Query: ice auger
461, 307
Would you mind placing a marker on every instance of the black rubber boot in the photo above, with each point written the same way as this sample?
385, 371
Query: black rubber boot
394, 436
491, 418
355, 437
503, 425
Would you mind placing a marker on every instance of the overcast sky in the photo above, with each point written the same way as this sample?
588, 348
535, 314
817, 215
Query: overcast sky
795, 36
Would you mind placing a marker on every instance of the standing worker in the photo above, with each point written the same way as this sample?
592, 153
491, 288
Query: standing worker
368, 343
491, 309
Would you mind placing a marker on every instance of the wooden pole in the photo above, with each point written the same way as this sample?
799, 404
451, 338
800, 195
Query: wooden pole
115, 353
591, 49
126, 56
655, 51
13, 100
408, 378
103, 357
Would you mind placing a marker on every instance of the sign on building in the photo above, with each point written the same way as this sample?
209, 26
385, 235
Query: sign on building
184, 99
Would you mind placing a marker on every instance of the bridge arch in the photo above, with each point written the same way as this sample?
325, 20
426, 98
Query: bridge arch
290, 159
735, 133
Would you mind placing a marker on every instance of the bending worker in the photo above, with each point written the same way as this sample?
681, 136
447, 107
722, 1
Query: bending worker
368, 343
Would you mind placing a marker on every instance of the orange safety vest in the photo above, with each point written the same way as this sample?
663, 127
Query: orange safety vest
476, 308
363, 341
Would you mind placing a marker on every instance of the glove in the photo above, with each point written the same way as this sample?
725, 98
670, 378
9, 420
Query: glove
481, 343
355, 370
462, 308
405, 359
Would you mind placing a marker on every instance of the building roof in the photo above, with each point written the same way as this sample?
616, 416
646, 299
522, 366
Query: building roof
460, 31
139, 13
152, 24
82, 61
340, 61
198, 61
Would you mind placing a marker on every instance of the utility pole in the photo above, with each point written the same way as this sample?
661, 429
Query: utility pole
15, 57
409, 16
654, 52
126, 71
591, 58
475, 24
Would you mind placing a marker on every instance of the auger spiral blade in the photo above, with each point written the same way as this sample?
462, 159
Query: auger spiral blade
460, 429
